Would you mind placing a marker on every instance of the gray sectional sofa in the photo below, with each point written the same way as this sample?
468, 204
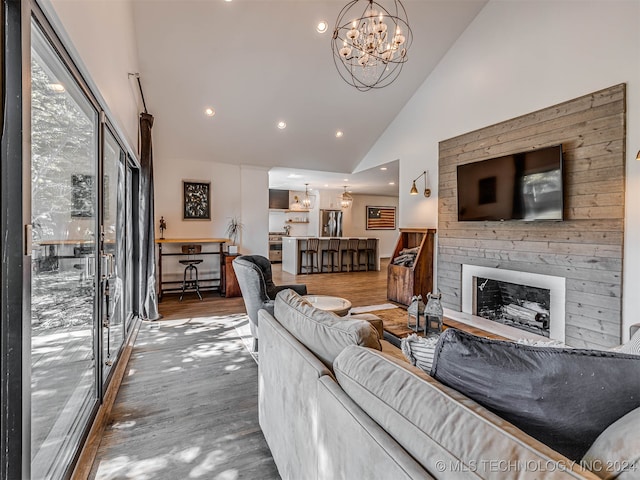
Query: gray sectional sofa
333, 406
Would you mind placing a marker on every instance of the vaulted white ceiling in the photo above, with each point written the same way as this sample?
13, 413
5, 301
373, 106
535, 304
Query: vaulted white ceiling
258, 62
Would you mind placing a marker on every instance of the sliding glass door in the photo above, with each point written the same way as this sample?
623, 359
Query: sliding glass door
69, 218
82, 259
64, 206
113, 250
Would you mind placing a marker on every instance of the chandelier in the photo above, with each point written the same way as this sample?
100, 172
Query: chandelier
345, 199
306, 201
370, 46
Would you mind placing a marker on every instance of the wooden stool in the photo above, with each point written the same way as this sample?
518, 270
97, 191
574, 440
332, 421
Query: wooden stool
370, 252
362, 250
352, 254
332, 250
190, 267
311, 249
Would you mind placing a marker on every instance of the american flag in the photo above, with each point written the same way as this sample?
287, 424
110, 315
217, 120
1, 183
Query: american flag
381, 218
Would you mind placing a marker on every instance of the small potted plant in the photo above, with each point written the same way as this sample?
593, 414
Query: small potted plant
234, 227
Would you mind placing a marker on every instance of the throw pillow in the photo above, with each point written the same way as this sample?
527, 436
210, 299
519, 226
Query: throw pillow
419, 350
563, 397
616, 452
324, 333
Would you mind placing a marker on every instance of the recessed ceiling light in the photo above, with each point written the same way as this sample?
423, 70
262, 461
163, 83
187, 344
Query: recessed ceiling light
322, 26
227, 1
383, 168
282, 125
326, 184
209, 112
392, 183
345, 179
339, 133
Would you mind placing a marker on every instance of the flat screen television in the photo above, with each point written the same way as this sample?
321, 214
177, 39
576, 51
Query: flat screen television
522, 186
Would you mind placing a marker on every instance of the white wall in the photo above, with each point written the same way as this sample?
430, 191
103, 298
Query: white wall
102, 34
517, 57
226, 196
254, 206
355, 221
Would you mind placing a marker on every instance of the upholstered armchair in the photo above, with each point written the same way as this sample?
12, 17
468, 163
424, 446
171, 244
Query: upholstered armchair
257, 287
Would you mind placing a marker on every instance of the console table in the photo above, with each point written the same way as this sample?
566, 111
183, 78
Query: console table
187, 241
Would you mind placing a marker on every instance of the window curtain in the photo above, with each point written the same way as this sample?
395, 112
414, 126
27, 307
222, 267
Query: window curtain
148, 298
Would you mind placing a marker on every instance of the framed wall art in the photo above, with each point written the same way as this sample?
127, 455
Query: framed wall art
196, 200
381, 218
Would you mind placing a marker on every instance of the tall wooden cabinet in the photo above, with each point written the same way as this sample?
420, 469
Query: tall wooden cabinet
405, 282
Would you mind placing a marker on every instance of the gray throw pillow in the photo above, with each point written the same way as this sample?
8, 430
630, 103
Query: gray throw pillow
616, 452
563, 397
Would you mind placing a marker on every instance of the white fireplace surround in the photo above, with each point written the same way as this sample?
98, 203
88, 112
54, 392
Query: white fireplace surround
556, 286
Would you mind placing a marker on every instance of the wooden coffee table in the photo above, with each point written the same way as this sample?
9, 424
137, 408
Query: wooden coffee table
339, 306
394, 323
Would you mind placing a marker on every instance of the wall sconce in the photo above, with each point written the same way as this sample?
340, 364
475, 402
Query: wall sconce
638, 155
414, 190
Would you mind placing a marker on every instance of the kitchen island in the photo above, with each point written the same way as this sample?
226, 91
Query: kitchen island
291, 247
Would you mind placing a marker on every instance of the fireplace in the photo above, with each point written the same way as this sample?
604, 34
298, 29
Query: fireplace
518, 301
519, 306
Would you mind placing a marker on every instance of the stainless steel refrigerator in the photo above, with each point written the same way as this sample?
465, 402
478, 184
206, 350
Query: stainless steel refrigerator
331, 223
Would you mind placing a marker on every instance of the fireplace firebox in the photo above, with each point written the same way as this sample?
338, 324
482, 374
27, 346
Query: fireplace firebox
519, 306
515, 304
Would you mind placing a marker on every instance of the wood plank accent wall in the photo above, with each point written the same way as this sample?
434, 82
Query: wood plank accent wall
586, 248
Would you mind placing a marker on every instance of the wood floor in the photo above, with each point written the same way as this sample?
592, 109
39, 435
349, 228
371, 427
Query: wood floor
361, 288
187, 407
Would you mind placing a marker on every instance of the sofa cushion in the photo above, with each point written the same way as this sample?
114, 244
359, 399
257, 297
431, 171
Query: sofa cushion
563, 397
616, 452
323, 333
448, 434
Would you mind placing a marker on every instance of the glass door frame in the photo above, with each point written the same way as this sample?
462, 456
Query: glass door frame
15, 217
15, 350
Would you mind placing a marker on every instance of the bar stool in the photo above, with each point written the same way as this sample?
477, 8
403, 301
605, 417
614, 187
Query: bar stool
370, 252
362, 251
352, 254
332, 250
190, 267
311, 249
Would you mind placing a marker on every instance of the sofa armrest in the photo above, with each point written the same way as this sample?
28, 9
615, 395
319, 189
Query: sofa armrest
374, 320
300, 289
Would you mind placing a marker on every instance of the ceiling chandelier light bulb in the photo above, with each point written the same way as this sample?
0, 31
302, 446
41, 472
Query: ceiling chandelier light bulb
370, 42
306, 201
345, 199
